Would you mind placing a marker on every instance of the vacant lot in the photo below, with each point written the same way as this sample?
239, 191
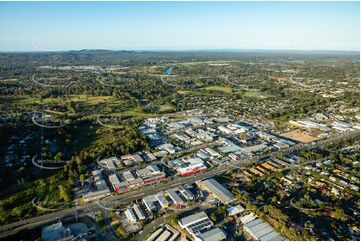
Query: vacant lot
218, 88
301, 136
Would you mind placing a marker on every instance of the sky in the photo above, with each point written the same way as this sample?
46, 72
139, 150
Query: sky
53, 26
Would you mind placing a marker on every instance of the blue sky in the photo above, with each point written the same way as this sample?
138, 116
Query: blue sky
45, 26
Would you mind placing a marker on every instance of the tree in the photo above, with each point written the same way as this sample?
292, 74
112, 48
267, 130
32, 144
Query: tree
213, 217
82, 179
64, 193
339, 214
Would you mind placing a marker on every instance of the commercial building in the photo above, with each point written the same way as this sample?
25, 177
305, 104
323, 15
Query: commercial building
56, 232
230, 148
128, 176
136, 178
162, 200
196, 223
139, 212
186, 193
155, 235
248, 218
215, 234
342, 126
177, 200
164, 233
114, 180
254, 148
261, 231
218, 191
108, 163
188, 166
102, 189
149, 202
130, 215
99, 180
171, 149
308, 124
164, 236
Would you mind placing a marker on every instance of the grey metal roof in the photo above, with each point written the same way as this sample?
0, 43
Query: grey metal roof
253, 223
193, 218
274, 236
219, 191
215, 234
262, 231
174, 196
259, 228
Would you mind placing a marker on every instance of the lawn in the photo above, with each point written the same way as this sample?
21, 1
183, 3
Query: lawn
81, 99
218, 88
254, 94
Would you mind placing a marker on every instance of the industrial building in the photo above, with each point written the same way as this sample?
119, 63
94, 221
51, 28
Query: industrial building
149, 202
114, 180
186, 193
102, 189
261, 231
57, 231
215, 234
137, 178
177, 200
139, 212
130, 215
188, 166
162, 200
196, 223
218, 191
108, 163
164, 233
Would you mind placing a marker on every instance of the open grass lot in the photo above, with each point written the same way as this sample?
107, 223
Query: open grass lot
81, 99
218, 88
255, 95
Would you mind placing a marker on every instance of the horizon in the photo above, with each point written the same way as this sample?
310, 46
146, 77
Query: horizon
179, 26
185, 50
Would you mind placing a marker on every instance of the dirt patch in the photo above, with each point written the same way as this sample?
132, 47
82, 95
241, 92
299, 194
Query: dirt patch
301, 136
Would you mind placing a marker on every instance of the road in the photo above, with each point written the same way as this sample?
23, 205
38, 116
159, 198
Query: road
117, 200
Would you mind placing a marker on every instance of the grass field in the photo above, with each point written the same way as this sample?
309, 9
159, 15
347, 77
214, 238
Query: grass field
81, 99
218, 88
254, 94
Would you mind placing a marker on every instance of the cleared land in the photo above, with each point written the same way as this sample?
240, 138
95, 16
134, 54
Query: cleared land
301, 136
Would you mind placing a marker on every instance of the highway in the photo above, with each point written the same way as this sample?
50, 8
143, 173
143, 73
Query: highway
123, 199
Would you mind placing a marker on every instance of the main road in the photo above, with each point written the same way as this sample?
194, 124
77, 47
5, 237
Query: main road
123, 199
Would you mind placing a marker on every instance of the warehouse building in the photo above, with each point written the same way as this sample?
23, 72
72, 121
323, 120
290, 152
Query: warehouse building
102, 189
218, 191
116, 184
164, 233
186, 193
177, 200
130, 215
196, 223
155, 235
139, 212
164, 236
215, 234
108, 163
162, 200
261, 231
149, 202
